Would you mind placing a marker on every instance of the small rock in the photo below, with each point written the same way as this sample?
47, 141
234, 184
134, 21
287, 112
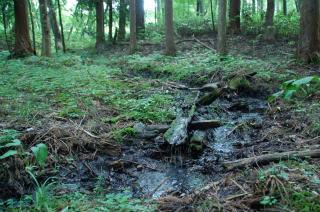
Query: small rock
139, 167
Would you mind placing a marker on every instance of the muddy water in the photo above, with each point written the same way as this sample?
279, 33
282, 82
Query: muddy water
148, 170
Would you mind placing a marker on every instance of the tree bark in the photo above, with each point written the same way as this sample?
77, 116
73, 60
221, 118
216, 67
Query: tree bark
200, 7
122, 20
61, 27
234, 16
253, 6
110, 19
212, 15
45, 29
158, 11
222, 28
285, 8
170, 44
270, 13
133, 27
55, 26
140, 22
22, 45
100, 37
309, 44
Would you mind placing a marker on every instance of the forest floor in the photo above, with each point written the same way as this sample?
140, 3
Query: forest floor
88, 109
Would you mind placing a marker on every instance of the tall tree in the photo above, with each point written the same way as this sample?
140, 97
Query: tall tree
284, 7
122, 20
158, 5
61, 26
133, 26
170, 44
253, 6
32, 28
234, 16
22, 45
100, 37
309, 44
200, 7
270, 13
212, 10
45, 28
55, 26
140, 13
222, 28
110, 19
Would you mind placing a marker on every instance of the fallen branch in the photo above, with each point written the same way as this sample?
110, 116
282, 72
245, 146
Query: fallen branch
204, 124
265, 159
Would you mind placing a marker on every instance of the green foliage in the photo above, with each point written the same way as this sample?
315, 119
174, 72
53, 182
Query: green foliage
120, 134
9, 143
305, 201
40, 152
268, 201
303, 86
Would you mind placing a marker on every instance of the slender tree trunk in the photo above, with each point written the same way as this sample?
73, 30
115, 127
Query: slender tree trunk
122, 20
32, 29
140, 22
61, 27
309, 44
133, 27
22, 45
270, 13
298, 5
260, 6
4, 21
110, 19
100, 37
54, 26
234, 16
212, 15
222, 28
158, 11
253, 6
170, 44
285, 8
200, 7
45, 29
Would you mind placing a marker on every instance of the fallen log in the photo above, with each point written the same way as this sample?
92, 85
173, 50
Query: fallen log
268, 158
208, 98
204, 124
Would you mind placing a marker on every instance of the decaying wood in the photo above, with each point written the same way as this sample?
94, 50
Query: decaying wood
177, 134
204, 124
265, 159
208, 98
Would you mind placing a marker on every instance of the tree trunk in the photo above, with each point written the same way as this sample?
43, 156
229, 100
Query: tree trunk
285, 8
298, 5
45, 29
170, 44
133, 26
253, 6
309, 45
61, 26
32, 29
22, 45
158, 11
100, 37
110, 19
200, 7
4, 21
234, 16
122, 20
222, 28
55, 26
140, 22
212, 15
270, 13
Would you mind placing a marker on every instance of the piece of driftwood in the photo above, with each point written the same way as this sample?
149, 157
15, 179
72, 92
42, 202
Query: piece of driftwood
178, 134
204, 124
208, 98
268, 158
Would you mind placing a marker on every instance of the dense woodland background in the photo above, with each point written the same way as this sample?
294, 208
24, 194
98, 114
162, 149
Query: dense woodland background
169, 105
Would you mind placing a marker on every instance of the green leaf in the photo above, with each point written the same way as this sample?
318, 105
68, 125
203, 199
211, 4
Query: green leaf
15, 142
8, 154
40, 152
303, 81
288, 94
274, 96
